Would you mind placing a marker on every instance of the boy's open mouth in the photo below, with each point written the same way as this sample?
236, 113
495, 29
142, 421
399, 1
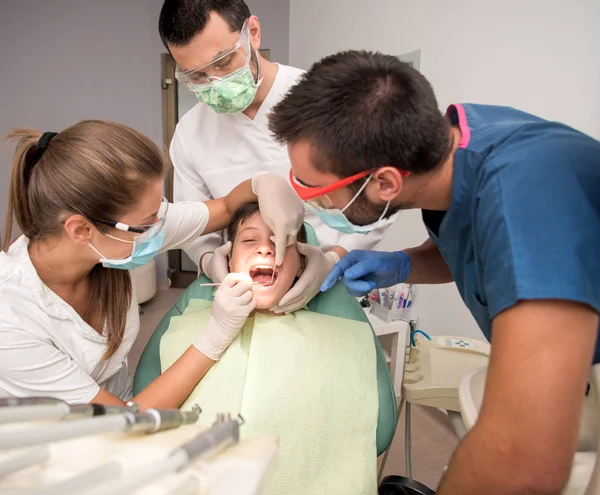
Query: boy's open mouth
263, 274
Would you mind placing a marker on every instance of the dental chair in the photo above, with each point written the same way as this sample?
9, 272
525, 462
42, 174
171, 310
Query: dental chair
335, 302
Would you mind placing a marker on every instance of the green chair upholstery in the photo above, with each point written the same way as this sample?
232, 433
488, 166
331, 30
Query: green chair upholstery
334, 302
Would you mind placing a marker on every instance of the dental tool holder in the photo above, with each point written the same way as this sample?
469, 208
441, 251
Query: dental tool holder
390, 315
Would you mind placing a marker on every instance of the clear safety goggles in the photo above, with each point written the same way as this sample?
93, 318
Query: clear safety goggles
146, 232
226, 63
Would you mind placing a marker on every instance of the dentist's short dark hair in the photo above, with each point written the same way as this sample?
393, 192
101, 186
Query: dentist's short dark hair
361, 110
181, 20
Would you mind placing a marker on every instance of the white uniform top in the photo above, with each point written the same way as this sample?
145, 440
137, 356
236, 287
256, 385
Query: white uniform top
212, 153
46, 348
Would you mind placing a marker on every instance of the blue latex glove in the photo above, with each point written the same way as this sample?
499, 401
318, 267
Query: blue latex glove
363, 271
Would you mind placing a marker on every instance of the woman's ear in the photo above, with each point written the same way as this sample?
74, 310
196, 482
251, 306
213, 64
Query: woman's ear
78, 228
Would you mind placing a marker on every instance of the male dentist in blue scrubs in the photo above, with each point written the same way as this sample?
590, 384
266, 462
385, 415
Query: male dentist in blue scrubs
511, 203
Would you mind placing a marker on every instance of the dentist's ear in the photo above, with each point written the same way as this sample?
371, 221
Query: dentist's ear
254, 31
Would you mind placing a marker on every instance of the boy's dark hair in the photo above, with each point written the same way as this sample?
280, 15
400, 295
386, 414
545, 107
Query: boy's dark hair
243, 213
362, 110
181, 20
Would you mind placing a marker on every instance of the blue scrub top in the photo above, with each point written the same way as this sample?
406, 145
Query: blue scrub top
524, 222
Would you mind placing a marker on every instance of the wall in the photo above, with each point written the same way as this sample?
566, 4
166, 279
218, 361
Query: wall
274, 17
542, 56
67, 60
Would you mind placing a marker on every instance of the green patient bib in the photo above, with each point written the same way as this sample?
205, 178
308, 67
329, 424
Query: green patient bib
310, 379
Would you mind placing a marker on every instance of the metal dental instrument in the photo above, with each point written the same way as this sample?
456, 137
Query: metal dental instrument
149, 421
47, 409
219, 283
29, 458
224, 433
273, 274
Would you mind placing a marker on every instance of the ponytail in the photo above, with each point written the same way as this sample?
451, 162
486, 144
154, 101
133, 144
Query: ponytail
22, 168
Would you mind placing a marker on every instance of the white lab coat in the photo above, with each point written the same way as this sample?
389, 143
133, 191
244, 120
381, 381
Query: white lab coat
46, 348
212, 153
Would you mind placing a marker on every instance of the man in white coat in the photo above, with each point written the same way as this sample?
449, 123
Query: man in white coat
225, 139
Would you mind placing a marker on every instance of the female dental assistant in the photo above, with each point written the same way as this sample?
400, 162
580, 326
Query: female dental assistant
89, 203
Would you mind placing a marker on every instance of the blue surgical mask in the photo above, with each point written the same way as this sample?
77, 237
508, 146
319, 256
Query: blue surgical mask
336, 219
141, 253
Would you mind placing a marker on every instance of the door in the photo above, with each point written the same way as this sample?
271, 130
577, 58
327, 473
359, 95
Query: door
176, 101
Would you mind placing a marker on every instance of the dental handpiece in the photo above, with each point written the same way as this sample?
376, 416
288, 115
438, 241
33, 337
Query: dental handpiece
47, 409
224, 433
149, 421
31, 409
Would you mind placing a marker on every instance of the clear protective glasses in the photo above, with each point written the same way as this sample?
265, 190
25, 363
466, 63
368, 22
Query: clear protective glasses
221, 66
146, 232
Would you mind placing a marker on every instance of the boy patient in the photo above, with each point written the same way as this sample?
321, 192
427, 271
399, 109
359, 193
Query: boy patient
253, 253
307, 377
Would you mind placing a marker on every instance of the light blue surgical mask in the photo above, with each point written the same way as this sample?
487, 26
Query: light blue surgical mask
336, 219
142, 252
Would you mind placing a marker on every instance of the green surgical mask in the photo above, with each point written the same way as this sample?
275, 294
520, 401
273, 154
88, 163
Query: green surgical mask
231, 94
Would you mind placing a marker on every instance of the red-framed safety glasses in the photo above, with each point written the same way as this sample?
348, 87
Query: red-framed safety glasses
306, 193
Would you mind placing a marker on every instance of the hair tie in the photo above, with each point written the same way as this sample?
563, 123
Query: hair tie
42, 145
44, 140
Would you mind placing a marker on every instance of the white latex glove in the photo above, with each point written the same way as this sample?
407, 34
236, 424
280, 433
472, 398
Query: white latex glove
318, 266
281, 209
216, 265
231, 307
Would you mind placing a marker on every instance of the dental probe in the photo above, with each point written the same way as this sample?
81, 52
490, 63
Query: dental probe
47, 409
219, 283
224, 433
150, 421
